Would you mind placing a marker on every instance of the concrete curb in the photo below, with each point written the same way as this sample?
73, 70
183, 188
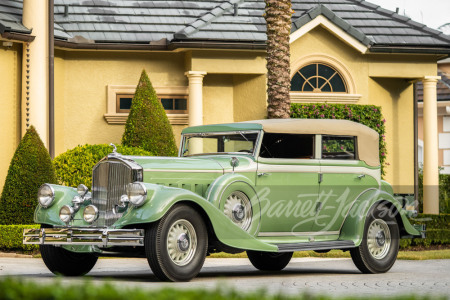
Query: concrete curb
15, 255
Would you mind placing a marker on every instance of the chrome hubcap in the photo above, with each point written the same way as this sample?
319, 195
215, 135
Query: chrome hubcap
181, 242
238, 208
378, 239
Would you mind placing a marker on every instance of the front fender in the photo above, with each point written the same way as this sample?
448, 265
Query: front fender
50, 215
161, 198
353, 227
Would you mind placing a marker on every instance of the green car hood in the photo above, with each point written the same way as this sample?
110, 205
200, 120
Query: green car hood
177, 164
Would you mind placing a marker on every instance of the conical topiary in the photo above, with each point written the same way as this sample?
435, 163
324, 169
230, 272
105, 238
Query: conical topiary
30, 167
147, 125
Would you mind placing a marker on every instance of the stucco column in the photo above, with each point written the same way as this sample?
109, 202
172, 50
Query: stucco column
195, 106
195, 97
35, 69
430, 146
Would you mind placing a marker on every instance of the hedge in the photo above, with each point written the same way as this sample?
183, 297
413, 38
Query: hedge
18, 289
437, 231
444, 192
75, 165
369, 115
30, 167
11, 237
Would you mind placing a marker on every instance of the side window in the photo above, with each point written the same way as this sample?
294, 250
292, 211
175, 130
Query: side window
338, 147
277, 145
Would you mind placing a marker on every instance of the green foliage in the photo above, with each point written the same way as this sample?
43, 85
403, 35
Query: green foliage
75, 165
30, 167
14, 288
147, 125
11, 237
437, 230
369, 115
444, 192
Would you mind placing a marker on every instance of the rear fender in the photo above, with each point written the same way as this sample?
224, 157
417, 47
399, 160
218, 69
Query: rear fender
353, 227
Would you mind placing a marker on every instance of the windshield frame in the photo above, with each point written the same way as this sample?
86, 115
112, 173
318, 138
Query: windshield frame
205, 134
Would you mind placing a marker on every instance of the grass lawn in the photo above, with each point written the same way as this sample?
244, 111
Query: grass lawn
411, 255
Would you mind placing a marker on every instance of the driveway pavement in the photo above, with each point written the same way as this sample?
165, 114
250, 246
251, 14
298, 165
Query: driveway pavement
329, 276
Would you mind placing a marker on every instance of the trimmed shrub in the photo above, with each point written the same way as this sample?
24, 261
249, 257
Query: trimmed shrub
147, 125
30, 167
369, 115
75, 165
11, 237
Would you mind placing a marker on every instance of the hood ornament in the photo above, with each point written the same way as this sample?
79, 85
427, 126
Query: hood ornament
114, 152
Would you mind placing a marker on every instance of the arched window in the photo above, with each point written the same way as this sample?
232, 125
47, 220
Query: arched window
318, 78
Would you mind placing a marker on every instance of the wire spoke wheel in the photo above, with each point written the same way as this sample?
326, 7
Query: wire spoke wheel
181, 242
239, 209
378, 239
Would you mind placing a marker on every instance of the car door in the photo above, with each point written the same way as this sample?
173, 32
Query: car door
287, 184
342, 179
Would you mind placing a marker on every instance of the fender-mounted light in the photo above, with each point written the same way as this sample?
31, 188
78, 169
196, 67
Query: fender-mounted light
137, 193
46, 195
66, 213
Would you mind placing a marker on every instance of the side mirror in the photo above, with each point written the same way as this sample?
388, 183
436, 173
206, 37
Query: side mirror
234, 162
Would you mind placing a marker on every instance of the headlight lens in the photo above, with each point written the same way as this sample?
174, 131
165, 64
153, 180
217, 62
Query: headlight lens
82, 190
65, 213
90, 213
137, 193
46, 195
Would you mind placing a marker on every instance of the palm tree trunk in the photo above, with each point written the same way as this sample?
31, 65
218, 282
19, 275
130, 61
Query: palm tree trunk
278, 19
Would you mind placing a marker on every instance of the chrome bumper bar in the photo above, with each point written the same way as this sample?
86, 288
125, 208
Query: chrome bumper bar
101, 237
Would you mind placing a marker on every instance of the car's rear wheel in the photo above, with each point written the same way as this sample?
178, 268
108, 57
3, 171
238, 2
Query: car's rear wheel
379, 248
268, 261
176, 245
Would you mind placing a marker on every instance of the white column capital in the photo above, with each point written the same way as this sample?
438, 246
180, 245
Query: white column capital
190, 74
431, 79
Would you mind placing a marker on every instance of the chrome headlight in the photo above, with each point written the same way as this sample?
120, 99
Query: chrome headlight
65, 213
46, 195
90, 213
82, 190
137, 193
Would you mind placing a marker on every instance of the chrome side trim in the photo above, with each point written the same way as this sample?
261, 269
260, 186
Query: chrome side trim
183, 171
290, 233
101, 237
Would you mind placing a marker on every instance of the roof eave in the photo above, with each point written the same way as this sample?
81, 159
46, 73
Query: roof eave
409, 49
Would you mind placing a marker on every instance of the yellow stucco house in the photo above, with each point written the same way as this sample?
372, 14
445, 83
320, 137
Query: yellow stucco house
206, 60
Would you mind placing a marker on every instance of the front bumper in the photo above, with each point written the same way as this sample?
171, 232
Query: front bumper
102, 237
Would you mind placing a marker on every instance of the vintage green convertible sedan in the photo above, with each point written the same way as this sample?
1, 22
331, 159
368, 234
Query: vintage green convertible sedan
268, 187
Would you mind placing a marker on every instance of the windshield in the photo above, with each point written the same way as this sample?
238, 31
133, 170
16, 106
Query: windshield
213, 143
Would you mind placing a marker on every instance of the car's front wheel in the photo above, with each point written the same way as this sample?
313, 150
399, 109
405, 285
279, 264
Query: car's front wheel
268, 261
63, 262
176, 245
379, 248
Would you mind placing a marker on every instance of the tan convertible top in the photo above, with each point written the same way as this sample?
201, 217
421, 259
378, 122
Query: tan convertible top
367, 138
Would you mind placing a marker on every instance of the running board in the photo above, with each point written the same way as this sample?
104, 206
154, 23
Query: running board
315, 246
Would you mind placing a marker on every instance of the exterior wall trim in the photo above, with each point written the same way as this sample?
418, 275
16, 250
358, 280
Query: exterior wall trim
324, 22
114, 118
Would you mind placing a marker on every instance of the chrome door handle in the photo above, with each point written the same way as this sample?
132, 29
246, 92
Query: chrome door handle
361, 176
263, 174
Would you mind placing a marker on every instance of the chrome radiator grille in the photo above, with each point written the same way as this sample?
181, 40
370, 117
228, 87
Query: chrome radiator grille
109, 181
